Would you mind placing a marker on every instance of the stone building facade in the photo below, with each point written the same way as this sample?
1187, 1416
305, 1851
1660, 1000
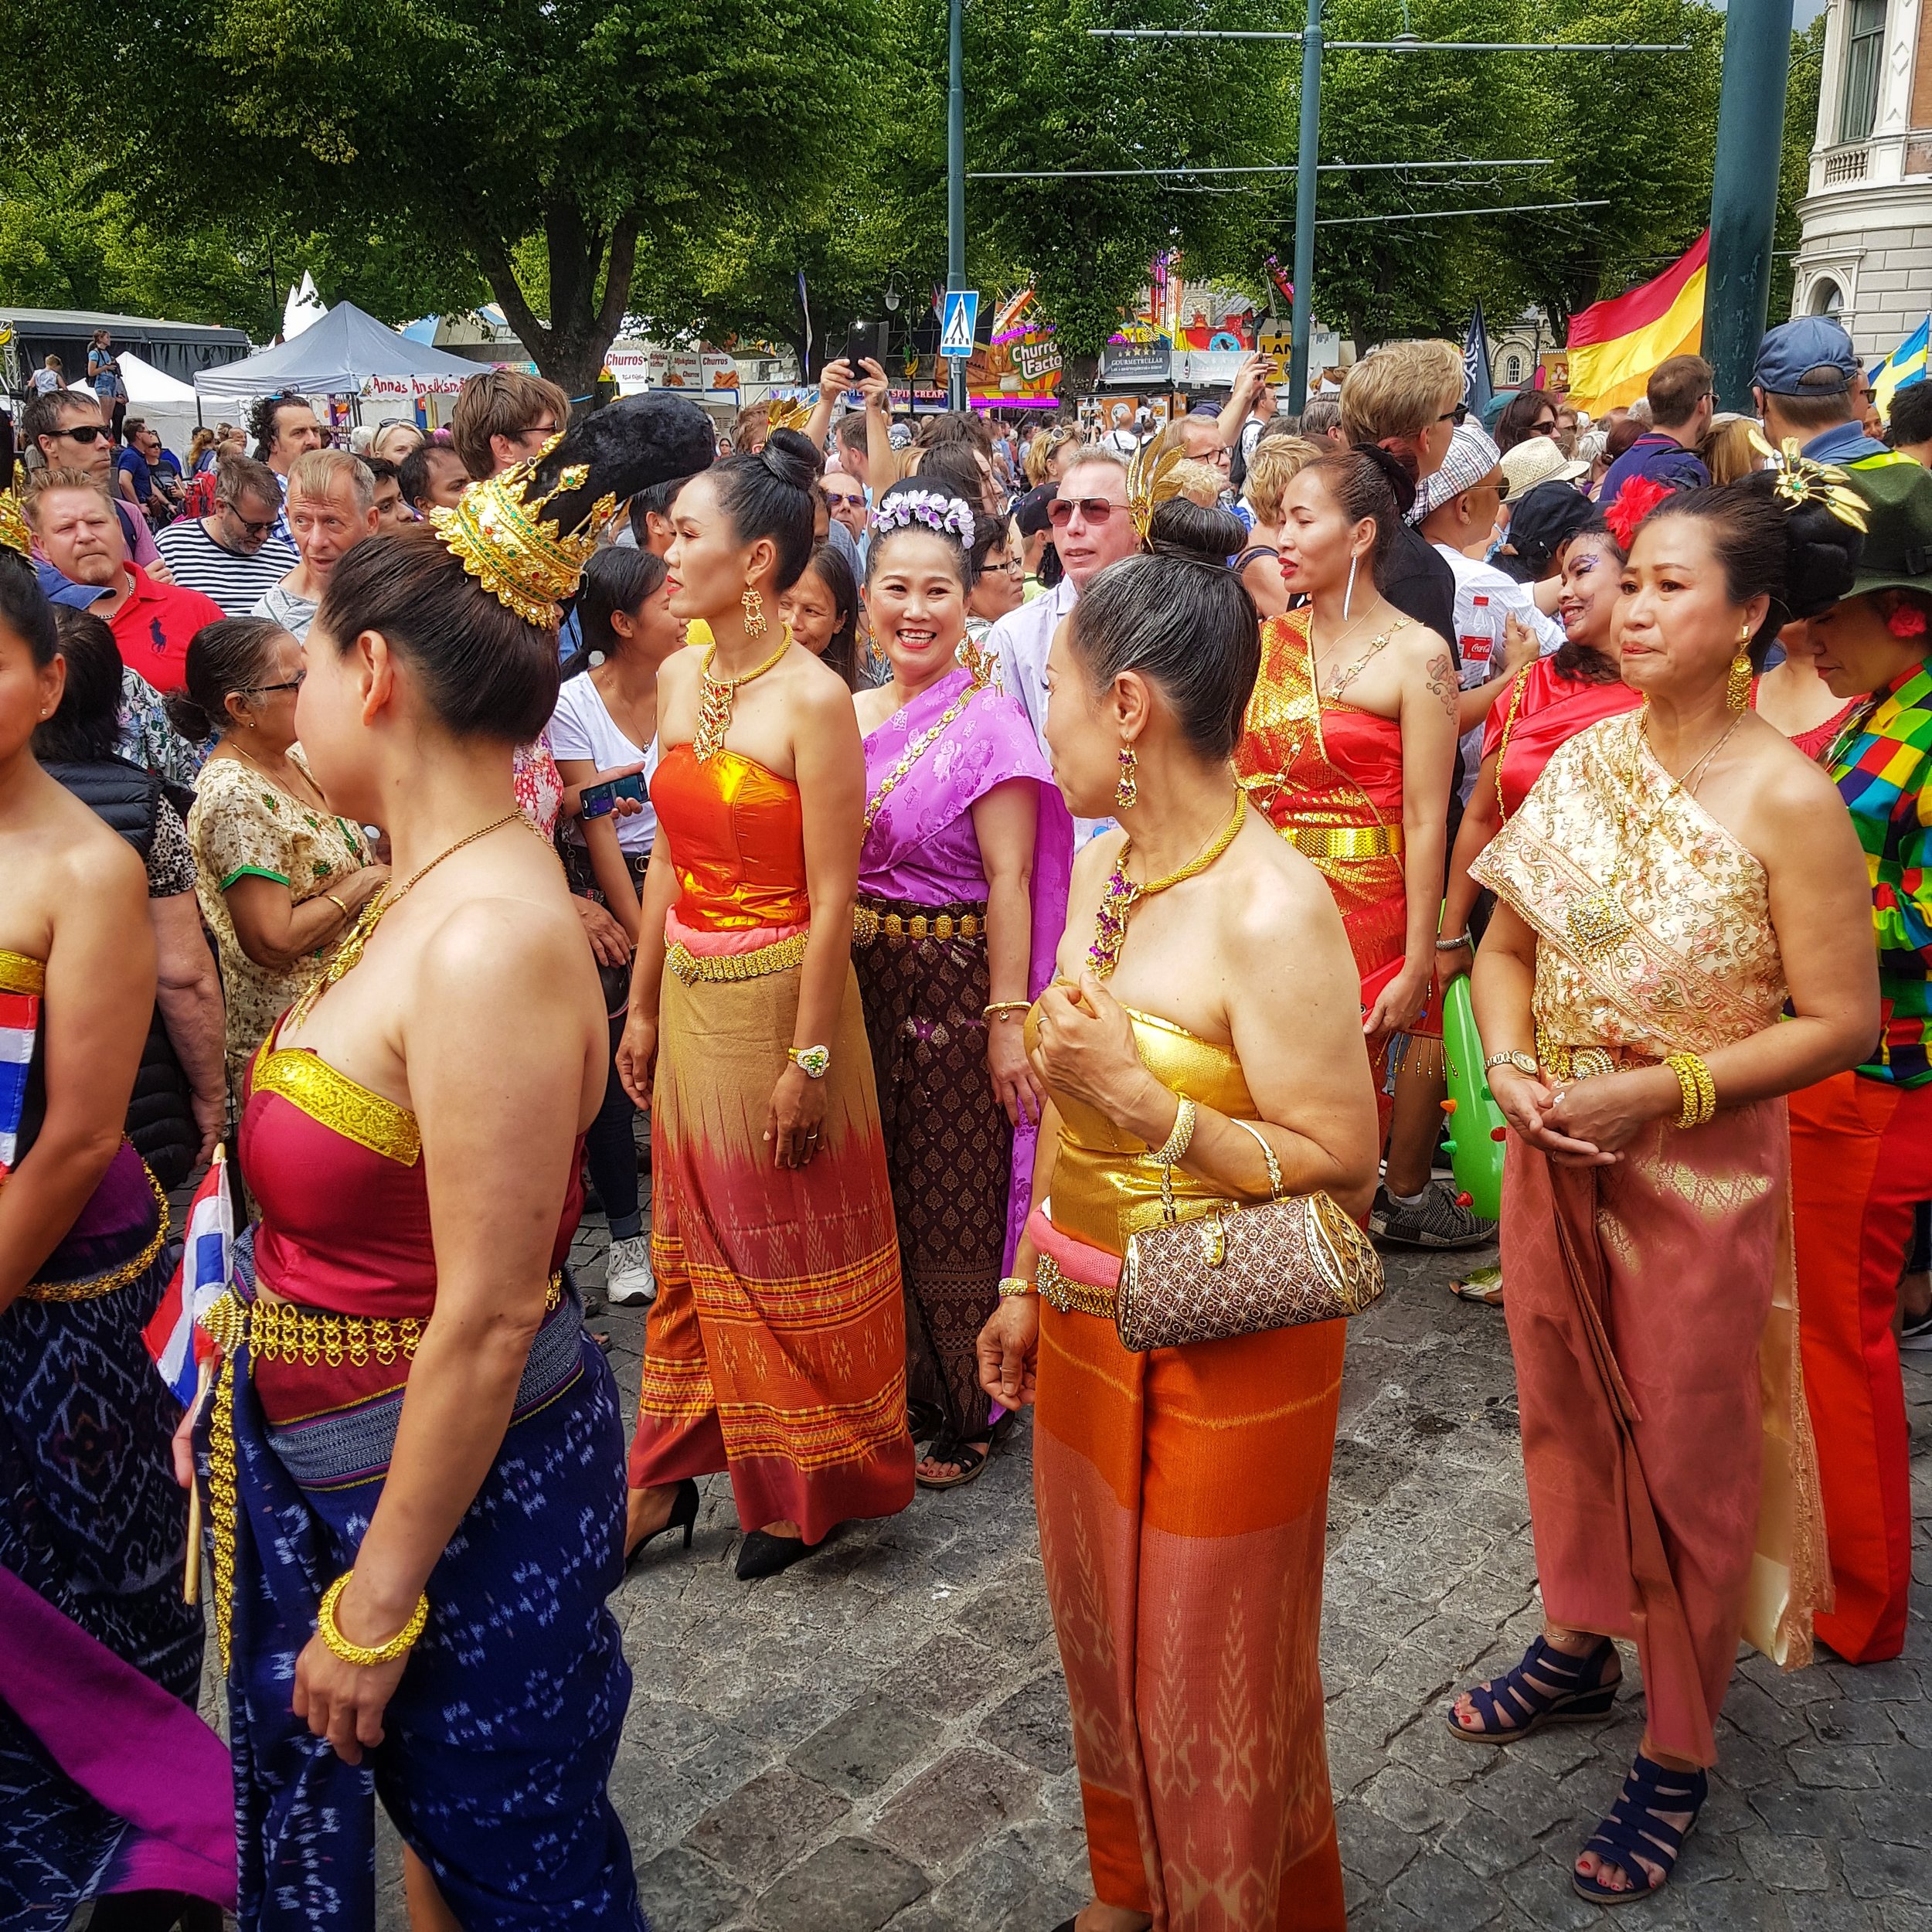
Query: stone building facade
1865, 253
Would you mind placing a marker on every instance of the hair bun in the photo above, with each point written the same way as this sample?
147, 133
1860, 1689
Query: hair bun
792, 459
1398, 478
1821, 550
1183, 528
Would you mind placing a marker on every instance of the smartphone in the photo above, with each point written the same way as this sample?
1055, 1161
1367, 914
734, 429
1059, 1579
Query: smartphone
597, 800
630, 786
866, 342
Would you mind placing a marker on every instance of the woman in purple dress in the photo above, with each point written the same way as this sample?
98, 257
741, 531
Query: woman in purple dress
962, 894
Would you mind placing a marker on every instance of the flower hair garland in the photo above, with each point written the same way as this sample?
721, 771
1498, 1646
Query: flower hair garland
1639, 496
946, 514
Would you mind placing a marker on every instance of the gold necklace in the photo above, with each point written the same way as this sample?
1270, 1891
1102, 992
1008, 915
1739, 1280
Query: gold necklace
347, 953
715, 698
923, 744
1118, 901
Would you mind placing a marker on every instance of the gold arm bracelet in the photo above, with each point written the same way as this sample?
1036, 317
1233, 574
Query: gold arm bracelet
367, 1655
1016, 1284
1267, 1154
1697, 1090
1005, 1009
337, 904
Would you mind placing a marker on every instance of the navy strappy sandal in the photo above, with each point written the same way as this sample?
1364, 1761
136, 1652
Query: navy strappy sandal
1549, 1686
1634, 1830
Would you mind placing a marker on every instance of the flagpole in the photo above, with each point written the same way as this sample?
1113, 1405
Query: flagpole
191, 1575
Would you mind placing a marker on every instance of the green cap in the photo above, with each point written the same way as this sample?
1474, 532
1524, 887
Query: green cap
1897, 551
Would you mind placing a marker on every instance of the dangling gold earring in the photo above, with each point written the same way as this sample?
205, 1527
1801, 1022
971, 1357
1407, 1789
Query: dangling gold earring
754, 609
1127, 793
1737, 686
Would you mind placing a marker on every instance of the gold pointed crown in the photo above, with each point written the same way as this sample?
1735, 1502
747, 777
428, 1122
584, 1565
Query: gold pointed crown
528, 563
525, 535
13, 526
781, 414
1152, 478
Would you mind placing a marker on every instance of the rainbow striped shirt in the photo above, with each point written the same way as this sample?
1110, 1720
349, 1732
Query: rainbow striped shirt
1882, 765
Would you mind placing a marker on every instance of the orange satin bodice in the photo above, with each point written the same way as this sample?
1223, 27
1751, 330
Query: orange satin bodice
737, 839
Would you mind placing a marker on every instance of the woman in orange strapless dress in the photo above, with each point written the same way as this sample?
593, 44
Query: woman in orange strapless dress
1350, 744
776, 1347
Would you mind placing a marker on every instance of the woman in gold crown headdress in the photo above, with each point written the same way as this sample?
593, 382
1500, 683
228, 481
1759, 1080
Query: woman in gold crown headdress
776, 1346
414, 1453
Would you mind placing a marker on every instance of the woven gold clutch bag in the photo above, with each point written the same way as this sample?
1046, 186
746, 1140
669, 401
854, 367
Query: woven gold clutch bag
1239, 1270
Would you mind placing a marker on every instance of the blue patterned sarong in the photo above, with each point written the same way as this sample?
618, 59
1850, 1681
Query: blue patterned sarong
498, 1743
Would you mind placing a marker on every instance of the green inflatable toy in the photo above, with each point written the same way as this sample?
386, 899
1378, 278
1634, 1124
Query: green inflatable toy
1477, 1132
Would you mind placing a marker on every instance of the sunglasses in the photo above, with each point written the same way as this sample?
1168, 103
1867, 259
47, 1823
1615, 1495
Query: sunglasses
844, 496
83, 432
1094, 509
253, 528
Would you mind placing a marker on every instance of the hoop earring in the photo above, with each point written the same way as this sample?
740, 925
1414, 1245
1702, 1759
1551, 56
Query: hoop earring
754, 610
1127, 793
1348, 596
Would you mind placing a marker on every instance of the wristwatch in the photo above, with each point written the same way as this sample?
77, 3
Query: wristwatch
1524, 1063
813, 1062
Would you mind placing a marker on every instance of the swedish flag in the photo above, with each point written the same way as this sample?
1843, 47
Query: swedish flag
1905, 364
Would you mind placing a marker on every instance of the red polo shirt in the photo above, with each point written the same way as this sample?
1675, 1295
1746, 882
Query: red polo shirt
153, 628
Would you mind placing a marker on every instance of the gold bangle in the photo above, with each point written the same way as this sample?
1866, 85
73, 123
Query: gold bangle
1005, 1009
1696, 1089
367, 1655
1176, 1143
337, 904
1015, 1285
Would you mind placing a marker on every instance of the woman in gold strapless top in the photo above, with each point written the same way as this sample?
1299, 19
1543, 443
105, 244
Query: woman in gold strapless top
1181, 1491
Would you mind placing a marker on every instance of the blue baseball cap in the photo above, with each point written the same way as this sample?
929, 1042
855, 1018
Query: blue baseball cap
1811, 355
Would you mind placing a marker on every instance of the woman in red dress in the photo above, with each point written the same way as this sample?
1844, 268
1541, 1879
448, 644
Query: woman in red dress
1349, 741
1549, 701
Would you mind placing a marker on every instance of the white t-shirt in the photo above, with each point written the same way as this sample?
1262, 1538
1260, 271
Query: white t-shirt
581, 727
1506, 597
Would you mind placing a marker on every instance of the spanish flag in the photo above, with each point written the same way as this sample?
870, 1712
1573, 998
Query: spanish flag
1614, 345
1905, 364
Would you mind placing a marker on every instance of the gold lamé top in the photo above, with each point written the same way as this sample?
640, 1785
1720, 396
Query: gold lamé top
527, 564
1653, 923
22, 973
13, 526
1102, 1192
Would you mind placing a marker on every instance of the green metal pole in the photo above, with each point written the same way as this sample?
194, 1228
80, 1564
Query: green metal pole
1750, 148
1305, 184
956, 185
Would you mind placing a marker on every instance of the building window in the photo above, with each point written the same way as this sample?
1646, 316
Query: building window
1864, 50
1826, 297
1512, 368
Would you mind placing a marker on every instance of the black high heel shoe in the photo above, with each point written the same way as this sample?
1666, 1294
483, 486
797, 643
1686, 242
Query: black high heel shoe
761, 1555
684, 1515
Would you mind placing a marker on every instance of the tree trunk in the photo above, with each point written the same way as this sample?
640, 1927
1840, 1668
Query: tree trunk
570, 349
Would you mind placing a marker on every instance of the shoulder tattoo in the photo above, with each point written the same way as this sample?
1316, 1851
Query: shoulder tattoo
1440, 676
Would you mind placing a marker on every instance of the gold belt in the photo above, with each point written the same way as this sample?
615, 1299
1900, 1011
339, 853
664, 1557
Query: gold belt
281, 1331
1585, 1062
1069, 1296
96, 1285
1344, 842
780, 956
867, 924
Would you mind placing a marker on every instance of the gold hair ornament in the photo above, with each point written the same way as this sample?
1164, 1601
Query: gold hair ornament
1152, 478
13, 526
783, 414
1800, 481
527, 564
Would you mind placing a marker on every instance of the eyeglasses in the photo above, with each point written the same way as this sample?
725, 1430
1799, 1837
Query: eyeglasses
837, 497
84, 432
545, 430
263, 690
253, 528
1094, 509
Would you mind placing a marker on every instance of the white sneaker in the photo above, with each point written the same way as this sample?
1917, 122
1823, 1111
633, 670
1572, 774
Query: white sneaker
627, 1279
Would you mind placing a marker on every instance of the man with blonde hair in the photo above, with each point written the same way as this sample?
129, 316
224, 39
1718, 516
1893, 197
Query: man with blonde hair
503, 416
332, 508
72, 515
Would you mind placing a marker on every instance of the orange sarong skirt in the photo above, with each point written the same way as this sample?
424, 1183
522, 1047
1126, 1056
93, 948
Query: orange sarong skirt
776, 1347
1182, 1496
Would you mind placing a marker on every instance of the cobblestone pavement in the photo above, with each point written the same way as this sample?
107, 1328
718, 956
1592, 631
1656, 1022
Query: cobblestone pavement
880, 1739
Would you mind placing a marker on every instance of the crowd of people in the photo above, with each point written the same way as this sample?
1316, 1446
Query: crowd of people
1022, 879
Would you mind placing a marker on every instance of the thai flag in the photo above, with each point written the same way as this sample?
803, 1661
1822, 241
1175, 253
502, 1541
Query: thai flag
177, 1346
19, 1014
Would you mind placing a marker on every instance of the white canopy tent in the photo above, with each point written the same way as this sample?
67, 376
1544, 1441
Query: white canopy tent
168, 405
345, 353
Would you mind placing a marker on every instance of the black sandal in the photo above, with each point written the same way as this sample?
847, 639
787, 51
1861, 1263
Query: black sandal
1549, 1686
970, 1457
1635, 1831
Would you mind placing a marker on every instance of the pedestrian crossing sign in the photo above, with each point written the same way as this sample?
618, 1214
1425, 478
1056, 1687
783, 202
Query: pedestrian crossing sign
959, 315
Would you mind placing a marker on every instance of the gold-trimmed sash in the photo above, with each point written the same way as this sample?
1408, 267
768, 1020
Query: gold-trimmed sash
345, 1107
22, 973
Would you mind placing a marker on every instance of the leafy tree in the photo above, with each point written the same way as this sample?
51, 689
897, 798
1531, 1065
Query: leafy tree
1800, 130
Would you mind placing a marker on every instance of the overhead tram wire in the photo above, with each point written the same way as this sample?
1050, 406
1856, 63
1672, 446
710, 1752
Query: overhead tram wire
1393, 46
1272, 167
1449, 214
